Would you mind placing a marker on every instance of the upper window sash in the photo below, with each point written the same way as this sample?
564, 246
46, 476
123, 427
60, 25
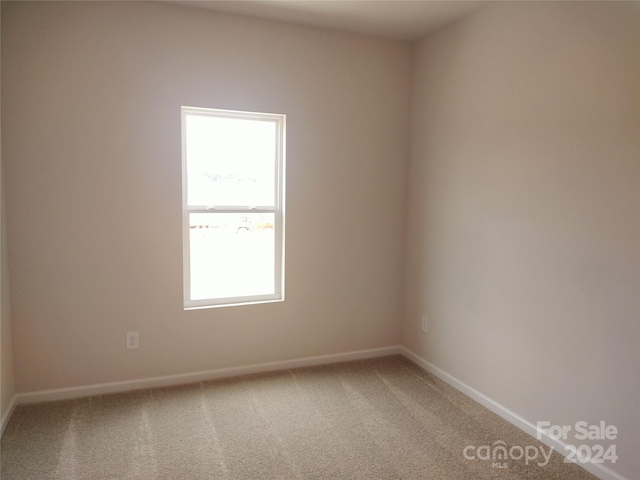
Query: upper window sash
223, 170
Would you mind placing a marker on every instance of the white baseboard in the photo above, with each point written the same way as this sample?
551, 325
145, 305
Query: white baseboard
599, 470
7, 414
169, 380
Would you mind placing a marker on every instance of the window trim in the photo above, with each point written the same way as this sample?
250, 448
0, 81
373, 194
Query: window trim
277, 209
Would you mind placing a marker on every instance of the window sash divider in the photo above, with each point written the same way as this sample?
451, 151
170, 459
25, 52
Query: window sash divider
234, 209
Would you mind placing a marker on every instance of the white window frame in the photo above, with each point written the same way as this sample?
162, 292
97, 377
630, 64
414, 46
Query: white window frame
277, 210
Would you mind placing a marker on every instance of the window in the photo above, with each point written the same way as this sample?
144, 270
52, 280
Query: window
233, 207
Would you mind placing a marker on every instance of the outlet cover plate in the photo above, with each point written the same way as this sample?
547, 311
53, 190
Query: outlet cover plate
132, 340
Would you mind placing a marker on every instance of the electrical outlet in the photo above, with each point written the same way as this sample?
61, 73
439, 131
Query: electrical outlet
132, 340
425, 324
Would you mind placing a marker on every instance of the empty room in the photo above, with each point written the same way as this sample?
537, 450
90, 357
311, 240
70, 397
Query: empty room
320, 240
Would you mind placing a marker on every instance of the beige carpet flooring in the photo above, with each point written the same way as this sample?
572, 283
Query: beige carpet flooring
383, 418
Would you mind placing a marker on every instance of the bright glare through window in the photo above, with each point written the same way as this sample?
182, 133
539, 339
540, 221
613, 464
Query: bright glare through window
233, 197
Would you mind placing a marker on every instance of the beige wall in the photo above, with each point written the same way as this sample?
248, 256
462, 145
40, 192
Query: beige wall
91, 128
524, 234
7, 385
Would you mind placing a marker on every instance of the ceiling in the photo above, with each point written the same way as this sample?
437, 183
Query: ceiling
397, 19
